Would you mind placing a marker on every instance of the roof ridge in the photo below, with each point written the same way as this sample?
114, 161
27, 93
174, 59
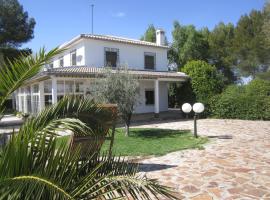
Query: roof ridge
112, 38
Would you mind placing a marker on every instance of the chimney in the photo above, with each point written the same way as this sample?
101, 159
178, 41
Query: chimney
160, 37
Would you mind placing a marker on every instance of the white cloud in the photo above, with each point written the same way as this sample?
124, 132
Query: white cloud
119, 14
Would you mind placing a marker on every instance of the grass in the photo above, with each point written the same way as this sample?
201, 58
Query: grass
150, 141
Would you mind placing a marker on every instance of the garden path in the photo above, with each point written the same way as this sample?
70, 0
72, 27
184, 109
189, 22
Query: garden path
235, 164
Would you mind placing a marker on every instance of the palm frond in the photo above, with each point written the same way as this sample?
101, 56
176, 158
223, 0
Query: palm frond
32, 166
20, 183
14, 73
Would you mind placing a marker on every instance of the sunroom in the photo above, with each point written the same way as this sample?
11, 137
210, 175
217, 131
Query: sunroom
50, 86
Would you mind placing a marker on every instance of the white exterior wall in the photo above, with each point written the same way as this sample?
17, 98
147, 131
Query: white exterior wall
130, 55
80, 53
163, 97
90, 52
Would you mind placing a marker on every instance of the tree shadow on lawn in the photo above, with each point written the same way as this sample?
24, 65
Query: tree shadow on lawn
149, 167
155, 133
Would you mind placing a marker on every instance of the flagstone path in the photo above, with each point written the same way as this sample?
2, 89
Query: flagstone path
234, 166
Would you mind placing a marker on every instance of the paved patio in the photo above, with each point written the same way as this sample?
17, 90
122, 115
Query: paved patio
233, 166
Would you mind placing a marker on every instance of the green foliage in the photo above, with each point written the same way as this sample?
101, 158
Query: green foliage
251, 102
15, 25
258, 87
180, 93
150, 34
250, 44
188, 44
205, 80
14, 73
118, 87
146, 141
31, 167
221, 50
266, 24
12, 53
34, 166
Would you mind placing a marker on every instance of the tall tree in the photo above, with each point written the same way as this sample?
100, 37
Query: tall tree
188, 44
15, 28
250, 44
206, 81
15, 25
150, 34
221, 50
266, 25
266, 31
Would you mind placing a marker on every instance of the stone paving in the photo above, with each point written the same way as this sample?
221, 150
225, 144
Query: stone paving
236, 168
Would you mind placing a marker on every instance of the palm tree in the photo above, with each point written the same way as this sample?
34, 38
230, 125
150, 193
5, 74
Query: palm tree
33, 166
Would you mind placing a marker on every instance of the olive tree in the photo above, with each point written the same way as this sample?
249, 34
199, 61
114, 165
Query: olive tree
119, 87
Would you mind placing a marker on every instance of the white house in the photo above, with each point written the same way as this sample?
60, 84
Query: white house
74, 71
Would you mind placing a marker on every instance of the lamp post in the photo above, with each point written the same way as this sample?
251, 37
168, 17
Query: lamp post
197, 108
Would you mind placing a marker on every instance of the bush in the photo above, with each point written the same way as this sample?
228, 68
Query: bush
180, 93
206, 81
251, 102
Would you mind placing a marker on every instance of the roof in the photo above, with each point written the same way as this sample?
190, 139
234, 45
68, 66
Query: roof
113, 39
84, 71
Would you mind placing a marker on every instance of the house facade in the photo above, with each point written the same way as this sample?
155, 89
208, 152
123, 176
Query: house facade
85, 56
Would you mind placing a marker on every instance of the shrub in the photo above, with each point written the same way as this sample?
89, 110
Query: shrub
251, 102
206, 81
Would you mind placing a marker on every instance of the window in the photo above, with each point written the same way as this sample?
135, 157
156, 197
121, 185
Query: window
35, 104
73, 58
51, 65
79, 87
69, 87
47, 87
48, 100
111, 57
36, 88
61, 61
149, 97
60, 87
149, 60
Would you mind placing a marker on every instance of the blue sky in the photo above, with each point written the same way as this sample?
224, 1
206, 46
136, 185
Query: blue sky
60, 20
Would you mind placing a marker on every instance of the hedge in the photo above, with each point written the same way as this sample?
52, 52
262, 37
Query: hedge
250, 102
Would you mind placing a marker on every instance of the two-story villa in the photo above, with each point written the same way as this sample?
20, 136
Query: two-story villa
74, 71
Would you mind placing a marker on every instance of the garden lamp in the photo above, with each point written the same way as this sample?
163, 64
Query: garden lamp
197, 108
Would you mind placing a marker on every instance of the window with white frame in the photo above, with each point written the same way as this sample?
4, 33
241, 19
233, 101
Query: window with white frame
149, 60
111, 57
35, 98
69, 87
73, 58
51, 65
28, 99
61, 61
60, 90
48, 87
48, 93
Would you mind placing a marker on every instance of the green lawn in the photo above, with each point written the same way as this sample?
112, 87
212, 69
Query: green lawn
149, 141
153, 141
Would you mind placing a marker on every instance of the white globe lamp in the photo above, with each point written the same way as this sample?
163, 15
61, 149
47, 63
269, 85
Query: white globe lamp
198, 108
186, 108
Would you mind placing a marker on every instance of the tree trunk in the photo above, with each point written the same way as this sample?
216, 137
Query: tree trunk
127, 120
127, 129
